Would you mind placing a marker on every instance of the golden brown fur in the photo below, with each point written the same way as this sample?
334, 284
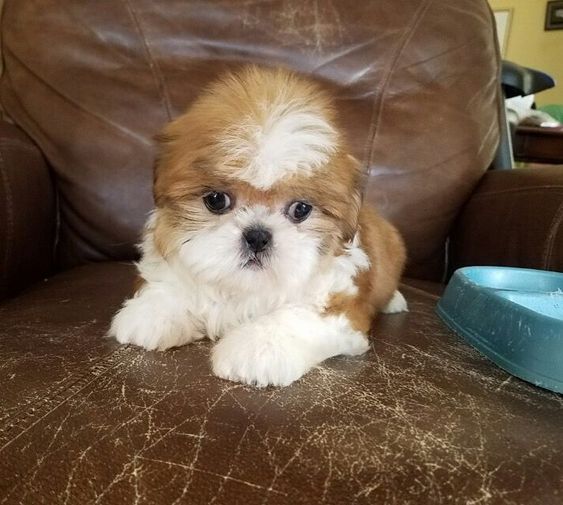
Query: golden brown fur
386, 251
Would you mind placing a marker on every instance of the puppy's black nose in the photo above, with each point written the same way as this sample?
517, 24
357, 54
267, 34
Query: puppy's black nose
257, 239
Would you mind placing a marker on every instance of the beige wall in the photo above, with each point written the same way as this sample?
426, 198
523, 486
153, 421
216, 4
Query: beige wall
530, 45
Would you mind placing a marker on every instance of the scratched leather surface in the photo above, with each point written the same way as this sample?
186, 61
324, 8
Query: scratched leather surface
93, 82
422, 418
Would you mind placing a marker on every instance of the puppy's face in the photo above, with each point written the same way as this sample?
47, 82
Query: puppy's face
253, 183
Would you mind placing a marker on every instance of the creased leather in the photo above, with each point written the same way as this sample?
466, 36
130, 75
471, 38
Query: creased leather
421, 418
92, 82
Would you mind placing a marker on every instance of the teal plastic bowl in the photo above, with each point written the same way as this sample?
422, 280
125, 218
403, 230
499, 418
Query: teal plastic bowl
514, 316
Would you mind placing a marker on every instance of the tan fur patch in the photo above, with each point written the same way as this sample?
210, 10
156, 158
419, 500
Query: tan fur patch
138, 284
376, 286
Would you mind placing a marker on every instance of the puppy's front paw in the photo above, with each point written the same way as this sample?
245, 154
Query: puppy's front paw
354, 343
255, 356
396, 304
152, 323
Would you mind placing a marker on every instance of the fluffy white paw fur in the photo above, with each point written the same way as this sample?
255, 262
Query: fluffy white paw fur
153, 321
396, 304
246, 355
279, 348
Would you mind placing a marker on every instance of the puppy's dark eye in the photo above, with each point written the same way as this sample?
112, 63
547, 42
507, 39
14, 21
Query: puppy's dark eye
299, 211
217, 202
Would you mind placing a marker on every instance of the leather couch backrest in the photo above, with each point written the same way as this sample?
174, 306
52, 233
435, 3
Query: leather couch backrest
93, 82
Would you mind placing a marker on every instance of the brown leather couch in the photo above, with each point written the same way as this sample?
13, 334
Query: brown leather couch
421, 418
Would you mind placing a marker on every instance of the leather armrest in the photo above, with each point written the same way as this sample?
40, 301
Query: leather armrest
27, 212
514, 218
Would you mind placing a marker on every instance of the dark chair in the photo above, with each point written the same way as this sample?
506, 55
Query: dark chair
525, 143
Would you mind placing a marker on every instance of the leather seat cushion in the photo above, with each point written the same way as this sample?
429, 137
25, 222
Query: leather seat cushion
422, 417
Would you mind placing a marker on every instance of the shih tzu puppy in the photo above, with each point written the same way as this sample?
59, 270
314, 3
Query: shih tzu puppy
259, 239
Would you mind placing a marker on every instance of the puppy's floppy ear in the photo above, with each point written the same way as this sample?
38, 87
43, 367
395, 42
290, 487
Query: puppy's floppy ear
166, 142
352, 213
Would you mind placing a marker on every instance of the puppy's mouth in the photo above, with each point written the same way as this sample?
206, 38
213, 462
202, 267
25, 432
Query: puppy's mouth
254, 261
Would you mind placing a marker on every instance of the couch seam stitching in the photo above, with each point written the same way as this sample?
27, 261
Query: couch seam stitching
153, 65
500, 95
554, 189
9, 217
18, 145
552, 233
380, 99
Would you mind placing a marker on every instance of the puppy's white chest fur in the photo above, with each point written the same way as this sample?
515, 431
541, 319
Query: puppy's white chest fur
214, 309
270, 335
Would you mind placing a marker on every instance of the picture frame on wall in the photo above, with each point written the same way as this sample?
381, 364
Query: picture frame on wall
554, 15
503, 17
